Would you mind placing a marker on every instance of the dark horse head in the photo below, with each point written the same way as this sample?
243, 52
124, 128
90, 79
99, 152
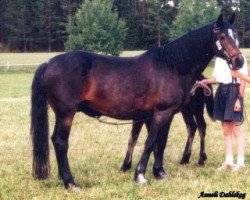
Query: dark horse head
226, 44
154, 86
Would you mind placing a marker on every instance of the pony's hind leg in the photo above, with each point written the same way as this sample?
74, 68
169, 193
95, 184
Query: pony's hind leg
202, 131
131, 145
191, 129
60, 140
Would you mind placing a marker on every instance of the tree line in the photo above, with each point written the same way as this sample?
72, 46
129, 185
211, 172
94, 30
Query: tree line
43, 25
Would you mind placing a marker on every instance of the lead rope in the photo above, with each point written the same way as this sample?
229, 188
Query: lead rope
207, 90
121, 123
113, 123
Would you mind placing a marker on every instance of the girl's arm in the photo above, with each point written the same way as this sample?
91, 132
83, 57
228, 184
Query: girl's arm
242, 87
237, 74
208, 81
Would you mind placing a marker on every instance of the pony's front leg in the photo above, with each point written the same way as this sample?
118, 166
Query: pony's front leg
160, 146
131, 145
202, 131
158, 121
60, 140
191, 129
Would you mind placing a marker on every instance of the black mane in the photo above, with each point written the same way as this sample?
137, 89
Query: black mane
185, 50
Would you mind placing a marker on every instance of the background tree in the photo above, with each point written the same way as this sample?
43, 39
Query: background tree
148, 21
50, 24
192, 14
96, 28
128, 11
158, 14
3, 33
245, 9
40, 25
19, 29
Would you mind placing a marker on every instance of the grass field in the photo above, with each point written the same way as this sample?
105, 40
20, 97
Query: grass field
96, 152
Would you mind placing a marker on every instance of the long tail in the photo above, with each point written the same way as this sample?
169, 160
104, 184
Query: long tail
39, 127
209, 100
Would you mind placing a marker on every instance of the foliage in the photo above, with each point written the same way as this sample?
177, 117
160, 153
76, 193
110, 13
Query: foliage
245, 23
101, 32
155, 25
40, 25
148, 22
192, 14
35, 25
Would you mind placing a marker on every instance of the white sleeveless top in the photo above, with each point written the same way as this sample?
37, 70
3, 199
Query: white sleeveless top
222, 72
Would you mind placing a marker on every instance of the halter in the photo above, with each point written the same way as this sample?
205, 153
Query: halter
220, 50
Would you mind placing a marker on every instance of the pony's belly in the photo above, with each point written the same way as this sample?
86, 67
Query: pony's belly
121, 111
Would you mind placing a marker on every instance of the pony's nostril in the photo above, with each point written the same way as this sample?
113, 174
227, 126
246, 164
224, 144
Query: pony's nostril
239, 63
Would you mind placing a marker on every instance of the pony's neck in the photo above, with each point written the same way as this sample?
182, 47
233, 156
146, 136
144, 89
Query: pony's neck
190, 53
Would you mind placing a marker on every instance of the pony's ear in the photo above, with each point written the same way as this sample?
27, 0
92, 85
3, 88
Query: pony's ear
232, 19
219, 20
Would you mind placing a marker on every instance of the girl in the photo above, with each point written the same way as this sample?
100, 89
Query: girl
228, 108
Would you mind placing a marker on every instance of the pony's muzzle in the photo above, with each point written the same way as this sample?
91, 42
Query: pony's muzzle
237, 62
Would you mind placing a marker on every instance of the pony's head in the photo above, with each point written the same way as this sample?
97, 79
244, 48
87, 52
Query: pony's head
226, 42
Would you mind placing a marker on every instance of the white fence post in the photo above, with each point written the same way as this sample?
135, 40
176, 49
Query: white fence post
8, 65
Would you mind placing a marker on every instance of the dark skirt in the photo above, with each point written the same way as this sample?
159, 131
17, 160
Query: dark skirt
225, 98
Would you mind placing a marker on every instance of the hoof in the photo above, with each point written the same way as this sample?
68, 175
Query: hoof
140, 180
205, 157
125, 167
202, 160
184, 162
160, 174
185, 159
201, 163
73, 188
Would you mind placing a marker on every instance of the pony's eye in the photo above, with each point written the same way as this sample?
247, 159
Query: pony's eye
222, 37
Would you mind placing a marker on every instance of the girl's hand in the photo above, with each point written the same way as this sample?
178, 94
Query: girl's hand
237, 106
203, 82
235, 73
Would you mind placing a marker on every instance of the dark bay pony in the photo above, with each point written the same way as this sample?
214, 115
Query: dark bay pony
193, 116
153, 85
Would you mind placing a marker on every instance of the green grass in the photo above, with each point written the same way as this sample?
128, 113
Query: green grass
96, 152
15, 85
25, 58
246, 52
22, 62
